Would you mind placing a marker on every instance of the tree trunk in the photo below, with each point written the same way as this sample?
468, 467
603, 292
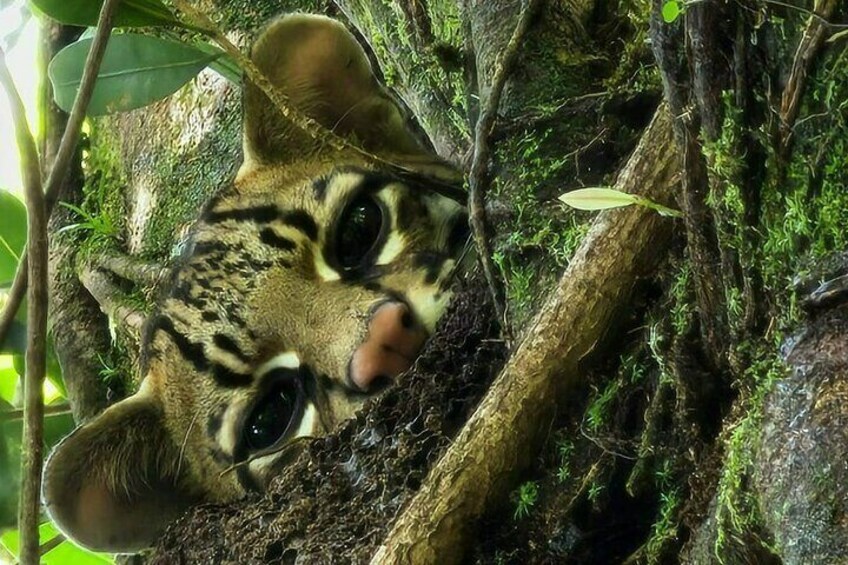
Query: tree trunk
637, 426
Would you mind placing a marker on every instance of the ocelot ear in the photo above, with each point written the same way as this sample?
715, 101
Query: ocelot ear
324, 73
115, 483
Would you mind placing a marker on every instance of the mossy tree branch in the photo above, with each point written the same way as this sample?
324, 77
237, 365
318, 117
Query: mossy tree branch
503, 435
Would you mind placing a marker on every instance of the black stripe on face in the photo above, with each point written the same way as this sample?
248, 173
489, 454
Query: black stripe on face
216, 418
227, 378
301, 221
230, 346
432, 263
319, 187
192, 352
258, 214
373, 181
269, 237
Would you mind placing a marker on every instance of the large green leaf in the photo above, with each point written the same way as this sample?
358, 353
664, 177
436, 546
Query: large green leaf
130, 13
12, 235
136, 70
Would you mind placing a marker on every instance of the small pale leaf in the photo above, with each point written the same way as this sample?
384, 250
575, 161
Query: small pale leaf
597, 198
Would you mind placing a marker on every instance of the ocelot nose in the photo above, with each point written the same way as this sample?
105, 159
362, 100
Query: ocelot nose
393, 342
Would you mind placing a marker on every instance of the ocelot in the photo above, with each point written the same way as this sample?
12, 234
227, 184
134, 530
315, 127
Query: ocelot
307, 286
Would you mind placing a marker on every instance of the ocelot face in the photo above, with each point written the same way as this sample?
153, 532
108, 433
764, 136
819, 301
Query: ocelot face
304, 290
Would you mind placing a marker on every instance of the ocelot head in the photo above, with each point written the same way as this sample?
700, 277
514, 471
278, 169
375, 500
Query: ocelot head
305, 288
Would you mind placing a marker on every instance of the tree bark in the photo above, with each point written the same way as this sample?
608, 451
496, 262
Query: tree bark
80, 331
505, 432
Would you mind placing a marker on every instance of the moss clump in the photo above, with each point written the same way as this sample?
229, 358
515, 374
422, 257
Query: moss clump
737, 511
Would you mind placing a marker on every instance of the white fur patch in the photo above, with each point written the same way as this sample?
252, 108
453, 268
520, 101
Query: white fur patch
307, 422
428, 304
326, 272
394, 246
287, 360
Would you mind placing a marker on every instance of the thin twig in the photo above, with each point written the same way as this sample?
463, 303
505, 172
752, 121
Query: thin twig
51, 544
66, 151
815, 14
52, 410
479, 178
32, 441
808, 48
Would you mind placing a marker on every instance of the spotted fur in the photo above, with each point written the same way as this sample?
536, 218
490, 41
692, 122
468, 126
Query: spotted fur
263, 305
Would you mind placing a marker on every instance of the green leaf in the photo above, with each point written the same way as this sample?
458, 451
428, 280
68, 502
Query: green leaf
224, 65
13, 229
130, 13
136, 70
671, 10
8, 379
597, 198
54, 369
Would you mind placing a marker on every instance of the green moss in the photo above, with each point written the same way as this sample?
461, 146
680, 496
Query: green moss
636, 71
737, 512
525, 498
101, 218
565, 451
664, 529
250, 15
543, 235
599, 412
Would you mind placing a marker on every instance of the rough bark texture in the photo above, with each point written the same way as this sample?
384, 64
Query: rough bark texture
507, 429
676, 450
801, 474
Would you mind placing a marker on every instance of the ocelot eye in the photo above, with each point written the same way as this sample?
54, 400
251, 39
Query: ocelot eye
358, 230
274, 417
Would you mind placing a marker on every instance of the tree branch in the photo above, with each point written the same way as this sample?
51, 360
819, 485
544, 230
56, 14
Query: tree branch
502, 436
132, 269
33, 432
790, 103
105, 293
478, 178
